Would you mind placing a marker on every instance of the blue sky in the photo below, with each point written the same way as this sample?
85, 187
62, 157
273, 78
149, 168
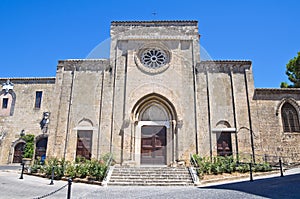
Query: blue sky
35, 34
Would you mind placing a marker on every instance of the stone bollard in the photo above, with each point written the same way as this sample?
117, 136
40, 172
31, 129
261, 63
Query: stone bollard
22, 164
52, 176
281, 169
69, 188
251, 176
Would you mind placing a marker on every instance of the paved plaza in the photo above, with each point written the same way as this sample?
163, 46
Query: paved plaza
271, 186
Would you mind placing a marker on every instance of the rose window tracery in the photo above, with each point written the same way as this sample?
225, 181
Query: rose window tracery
153, 58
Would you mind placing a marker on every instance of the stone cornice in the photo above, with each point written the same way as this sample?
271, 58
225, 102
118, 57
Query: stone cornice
29, 80
223, 66
83, 64
155, 23
227, 61
158, 38
277, 91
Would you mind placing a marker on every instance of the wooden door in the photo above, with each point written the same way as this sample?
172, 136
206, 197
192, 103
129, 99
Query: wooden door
153, 145
18, 154
224, 146
41, 148
84, 144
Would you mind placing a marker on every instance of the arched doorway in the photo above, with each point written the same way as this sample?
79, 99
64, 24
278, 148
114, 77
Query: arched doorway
224, 138
41, 148
153, 137
18, 152
155, 131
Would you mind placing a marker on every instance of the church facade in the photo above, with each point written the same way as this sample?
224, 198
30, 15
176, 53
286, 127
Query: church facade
154, 101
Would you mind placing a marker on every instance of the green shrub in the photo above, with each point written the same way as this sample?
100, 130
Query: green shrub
70, 170
243, 168
216, 165
29, 146
97, 169
58, 165
262, 167
227, 164
81, 168
36, 168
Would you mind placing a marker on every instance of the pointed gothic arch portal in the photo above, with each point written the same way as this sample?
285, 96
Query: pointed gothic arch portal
155, 131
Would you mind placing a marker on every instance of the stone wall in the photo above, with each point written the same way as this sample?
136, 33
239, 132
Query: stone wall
25, 116
80, 104
222, 89
274, 142
133, 82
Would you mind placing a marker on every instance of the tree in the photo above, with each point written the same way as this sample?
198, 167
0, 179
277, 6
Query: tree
293, 73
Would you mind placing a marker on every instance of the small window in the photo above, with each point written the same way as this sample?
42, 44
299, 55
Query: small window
5, 103
38, 99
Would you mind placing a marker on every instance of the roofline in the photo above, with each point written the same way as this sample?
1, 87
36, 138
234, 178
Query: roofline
227, 61
27, 78
156, 23
277, 89
21, 80
282, 91
83, 60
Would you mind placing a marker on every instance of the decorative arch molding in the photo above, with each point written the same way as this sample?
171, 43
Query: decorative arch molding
85, 124
223, 126
39, 137
153, 99
292, 101
13, 95
223, 123
17, 142
164, 118
12, 149
85, 121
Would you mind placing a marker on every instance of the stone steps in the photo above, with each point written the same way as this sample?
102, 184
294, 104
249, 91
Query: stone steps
149, 184
150, 176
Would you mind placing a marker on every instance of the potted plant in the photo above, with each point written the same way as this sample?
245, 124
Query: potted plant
28, 150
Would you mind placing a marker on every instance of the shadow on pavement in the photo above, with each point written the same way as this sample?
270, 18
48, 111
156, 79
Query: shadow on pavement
276, 187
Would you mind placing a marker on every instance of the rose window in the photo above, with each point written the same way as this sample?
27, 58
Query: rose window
153, 58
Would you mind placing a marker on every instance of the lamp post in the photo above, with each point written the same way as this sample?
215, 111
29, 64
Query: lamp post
251, 141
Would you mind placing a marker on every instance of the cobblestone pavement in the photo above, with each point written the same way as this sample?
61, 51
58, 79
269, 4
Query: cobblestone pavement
263, 187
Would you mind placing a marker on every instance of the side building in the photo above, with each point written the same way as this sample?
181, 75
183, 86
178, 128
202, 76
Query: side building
25, 105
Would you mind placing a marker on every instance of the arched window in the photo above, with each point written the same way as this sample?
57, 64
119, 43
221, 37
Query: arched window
290, 119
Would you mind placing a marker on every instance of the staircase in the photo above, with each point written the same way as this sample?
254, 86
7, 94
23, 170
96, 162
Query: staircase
150, 176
